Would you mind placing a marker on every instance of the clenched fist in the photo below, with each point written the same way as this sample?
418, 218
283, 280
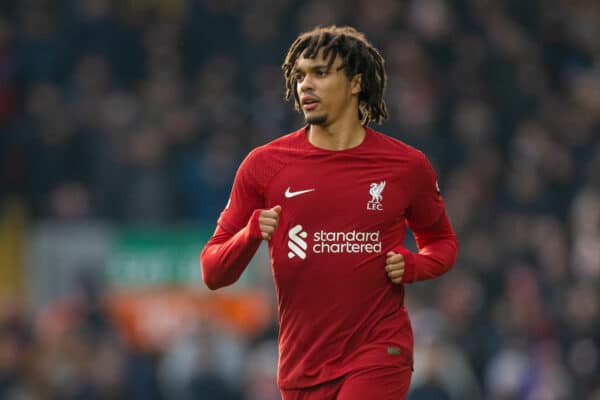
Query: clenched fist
267, 221
394, 266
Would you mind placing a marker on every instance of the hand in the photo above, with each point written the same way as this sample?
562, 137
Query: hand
267, 221
394, 266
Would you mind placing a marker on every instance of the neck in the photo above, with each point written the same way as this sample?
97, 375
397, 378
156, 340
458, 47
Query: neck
337, 136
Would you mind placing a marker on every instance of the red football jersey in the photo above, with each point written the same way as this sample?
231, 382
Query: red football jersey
342, 211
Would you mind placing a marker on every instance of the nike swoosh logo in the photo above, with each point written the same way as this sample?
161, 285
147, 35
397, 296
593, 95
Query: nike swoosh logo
289, 195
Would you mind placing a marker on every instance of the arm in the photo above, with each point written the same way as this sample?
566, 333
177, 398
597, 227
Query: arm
438, 248
239, 228
429, 222
226, 256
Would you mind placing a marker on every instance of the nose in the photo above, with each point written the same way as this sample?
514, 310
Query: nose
306, 84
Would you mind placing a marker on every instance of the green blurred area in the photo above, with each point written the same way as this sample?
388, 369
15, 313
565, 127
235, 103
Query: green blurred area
146, 257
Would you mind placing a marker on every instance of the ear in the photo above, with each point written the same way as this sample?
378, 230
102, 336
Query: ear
356, 84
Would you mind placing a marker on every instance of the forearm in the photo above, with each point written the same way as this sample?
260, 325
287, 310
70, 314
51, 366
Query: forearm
226, 256
438, 248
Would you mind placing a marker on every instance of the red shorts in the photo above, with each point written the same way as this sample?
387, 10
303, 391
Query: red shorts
381, 383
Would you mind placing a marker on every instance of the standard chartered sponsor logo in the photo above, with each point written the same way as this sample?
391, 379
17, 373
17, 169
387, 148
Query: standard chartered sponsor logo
296, 242
346, 242
325, 242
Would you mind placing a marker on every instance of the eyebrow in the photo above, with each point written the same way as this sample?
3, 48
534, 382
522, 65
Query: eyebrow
312, 67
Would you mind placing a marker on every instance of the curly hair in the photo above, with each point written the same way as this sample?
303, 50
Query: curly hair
358, 57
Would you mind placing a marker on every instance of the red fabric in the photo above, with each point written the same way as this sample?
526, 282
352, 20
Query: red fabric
225, 256
438, 248
342, 211
381, 383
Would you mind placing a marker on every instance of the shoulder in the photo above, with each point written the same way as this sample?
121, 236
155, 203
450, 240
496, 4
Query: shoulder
265, 161
398, 148
414, 162
289, 143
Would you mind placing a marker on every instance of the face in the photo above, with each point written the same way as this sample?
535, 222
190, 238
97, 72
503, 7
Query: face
325, 95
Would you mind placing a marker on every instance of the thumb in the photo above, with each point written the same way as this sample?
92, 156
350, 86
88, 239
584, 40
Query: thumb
277, 209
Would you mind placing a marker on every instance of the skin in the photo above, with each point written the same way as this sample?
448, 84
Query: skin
333, 125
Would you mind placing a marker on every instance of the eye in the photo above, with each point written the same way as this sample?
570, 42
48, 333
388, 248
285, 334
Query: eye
298, 76
321, 73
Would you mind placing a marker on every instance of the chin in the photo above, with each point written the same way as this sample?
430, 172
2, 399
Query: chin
316, 119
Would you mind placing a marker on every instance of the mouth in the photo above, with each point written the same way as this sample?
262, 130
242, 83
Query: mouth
309, 103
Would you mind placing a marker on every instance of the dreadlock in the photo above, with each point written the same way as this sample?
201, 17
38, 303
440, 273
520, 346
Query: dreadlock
358, 57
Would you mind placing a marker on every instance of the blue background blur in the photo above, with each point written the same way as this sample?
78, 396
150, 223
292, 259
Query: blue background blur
122, 124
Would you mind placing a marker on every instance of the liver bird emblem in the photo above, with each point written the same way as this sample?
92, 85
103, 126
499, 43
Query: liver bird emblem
375, 191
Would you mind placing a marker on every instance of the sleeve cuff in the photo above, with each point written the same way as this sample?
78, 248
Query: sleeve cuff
253, 225
410, 272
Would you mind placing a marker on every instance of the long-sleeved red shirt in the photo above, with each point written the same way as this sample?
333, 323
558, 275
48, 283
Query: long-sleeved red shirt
342, 211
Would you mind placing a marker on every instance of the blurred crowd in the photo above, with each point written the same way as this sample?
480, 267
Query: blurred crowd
140, 112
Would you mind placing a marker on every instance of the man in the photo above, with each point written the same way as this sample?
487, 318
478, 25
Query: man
333, 200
